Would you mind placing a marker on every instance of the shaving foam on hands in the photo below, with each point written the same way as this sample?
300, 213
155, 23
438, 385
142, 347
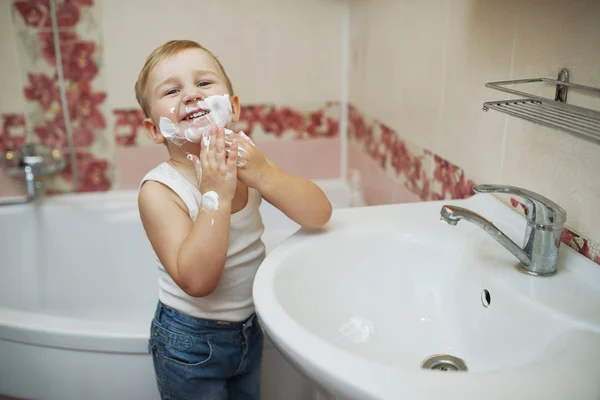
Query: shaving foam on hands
210, 201
197, 167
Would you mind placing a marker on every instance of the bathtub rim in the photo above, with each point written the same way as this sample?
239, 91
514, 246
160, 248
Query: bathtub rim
71, 333
332, 186
110, 336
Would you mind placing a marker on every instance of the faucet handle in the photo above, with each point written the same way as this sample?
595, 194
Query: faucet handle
542, 212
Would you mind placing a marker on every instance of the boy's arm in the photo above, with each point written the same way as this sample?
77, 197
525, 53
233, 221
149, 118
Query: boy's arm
300, 199
193, 253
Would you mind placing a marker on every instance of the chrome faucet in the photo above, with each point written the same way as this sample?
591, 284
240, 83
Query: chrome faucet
545, 220
28, 164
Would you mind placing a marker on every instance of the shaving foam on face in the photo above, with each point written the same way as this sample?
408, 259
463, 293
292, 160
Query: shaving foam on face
210, 201
170, 131
219, 114
220, 109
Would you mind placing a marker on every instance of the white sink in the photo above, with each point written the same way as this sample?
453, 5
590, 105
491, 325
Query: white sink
359, 306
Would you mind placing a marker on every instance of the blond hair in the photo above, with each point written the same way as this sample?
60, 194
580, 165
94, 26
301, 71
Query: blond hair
161, 53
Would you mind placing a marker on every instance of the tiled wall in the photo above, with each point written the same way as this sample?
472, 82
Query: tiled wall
418, 72
290, 102
416, 127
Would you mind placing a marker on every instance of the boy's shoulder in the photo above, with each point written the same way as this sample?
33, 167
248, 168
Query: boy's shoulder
159, 172
160, 185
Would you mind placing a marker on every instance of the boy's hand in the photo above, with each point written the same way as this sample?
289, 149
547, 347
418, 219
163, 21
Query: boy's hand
253, 163
219, 173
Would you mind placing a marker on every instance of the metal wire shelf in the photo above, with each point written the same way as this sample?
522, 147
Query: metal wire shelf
551, 113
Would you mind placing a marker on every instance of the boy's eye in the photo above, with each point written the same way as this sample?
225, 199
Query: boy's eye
204, 83
171, 91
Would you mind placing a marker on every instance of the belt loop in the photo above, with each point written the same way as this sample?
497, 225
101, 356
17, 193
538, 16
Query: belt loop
159, 310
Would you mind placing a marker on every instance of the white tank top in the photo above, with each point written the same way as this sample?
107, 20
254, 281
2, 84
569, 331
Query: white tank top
232, 299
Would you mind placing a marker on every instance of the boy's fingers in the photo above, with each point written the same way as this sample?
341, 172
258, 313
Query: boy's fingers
233, 153
211, 151
220, 146
203, 151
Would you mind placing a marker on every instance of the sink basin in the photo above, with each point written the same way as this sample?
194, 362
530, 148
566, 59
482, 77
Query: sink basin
387, 302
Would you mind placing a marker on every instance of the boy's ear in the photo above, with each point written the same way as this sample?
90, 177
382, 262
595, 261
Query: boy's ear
153, 132
235, 108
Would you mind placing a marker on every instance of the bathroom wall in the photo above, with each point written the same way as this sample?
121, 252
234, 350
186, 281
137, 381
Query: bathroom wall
417, 84
287, 77
417, 72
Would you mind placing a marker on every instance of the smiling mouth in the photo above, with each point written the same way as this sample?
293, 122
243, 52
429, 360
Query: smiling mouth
197, 114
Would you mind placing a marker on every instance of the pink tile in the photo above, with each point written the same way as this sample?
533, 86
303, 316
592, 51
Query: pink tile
134, 162
401, 194
311, 159
379, 187
9, 187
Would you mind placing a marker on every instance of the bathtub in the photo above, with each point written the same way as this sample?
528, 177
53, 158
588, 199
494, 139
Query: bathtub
78, 288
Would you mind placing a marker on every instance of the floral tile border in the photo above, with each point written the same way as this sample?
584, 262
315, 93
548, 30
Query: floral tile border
263, 122
423, 173
428, 175
80, 47
12, 135
582, 245
408, 164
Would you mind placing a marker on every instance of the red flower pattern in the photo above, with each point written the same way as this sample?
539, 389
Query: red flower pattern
92, 173
84, 113
278, 121
382, 143
66, 39
357, 126
67, 14
452, 180
446, 176
80, 67
12, 135
42, 89
52, 133
129, 122
36, 13
77, 55
402, 161
78, 64
250, 117
320, 125
272, 120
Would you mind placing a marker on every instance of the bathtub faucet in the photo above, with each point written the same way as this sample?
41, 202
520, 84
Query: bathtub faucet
28, 164
545, 220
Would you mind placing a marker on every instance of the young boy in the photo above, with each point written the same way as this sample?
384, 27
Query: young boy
206, 341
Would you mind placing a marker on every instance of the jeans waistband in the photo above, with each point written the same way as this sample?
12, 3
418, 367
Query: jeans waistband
195, 322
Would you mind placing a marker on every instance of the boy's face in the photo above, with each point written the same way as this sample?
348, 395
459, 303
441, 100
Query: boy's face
181, 81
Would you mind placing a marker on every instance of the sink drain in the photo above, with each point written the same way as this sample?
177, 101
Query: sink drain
444, 362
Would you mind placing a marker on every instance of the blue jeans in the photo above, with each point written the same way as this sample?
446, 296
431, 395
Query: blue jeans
199, 359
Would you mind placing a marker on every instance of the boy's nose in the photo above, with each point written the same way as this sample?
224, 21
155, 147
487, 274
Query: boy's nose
193, 96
